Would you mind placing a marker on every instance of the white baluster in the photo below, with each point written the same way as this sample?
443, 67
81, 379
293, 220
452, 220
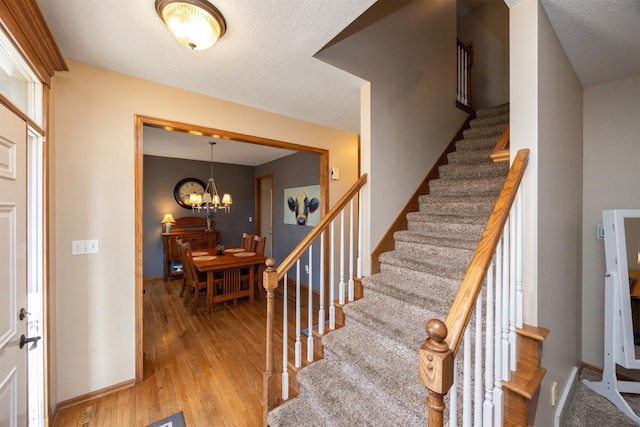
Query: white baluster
466, 383
487, 407
512, 291
322, 286
505, 302
351, 284
341, 284
298, 346
359, 262
477, 395
332, 306
285, 346
519, 244
459, 74
310, 308
453, 398
497, 391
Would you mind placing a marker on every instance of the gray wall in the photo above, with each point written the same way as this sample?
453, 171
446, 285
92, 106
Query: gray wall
296, 170
160, 177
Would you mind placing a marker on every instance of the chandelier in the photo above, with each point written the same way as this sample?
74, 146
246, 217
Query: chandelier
210, 201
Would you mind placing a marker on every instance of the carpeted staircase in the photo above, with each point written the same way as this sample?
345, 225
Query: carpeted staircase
369, 373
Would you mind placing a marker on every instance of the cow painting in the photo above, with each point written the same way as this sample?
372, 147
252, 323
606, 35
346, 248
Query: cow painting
301, 206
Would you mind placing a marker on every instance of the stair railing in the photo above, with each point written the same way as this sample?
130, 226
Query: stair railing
497, 262
465, 62
318, 236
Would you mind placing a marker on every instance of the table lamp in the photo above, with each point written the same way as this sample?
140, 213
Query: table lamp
167, 221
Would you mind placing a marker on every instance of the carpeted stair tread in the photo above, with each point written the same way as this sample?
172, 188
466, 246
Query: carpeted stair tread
492, 111
461, 218
439, 266
438, 294
495, 119
445, 207
474, 170
421, 250
471, 144
485, 131
469, 156
388, 374
295, 412
453, 228
393, 320
461, 242
467, 185
343, 402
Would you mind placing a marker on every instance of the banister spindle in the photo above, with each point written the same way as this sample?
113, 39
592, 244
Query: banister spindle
321, 314
351, 283
285, 345
310, 309
341, 284
298, 345
332, 306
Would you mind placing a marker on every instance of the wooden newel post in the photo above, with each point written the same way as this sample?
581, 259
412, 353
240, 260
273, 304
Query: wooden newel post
435, 368
269, 384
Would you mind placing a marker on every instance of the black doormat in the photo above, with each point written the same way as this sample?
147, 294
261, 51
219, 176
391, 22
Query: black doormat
175, 420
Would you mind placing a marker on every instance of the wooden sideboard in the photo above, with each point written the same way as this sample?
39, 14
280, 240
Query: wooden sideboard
192, 230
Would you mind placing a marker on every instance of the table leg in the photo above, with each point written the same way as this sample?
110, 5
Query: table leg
251, 283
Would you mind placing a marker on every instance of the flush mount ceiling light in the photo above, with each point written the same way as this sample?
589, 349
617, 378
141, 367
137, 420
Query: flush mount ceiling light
196, 24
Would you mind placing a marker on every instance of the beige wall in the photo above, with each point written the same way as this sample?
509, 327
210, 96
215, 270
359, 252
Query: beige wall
550, 105
611, 181
92, 189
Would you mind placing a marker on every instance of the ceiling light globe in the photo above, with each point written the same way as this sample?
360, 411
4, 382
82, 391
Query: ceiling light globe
196, 24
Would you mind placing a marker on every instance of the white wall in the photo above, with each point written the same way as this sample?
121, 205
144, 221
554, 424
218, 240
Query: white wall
554, 221
92, 194
611, 181
487, 27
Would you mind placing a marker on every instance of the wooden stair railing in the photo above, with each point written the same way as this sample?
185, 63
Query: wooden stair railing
272, 276
437, 354
501, 151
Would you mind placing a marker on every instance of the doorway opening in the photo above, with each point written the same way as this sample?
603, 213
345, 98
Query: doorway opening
140, 123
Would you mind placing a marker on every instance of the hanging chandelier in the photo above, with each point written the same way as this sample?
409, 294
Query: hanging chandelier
211, 201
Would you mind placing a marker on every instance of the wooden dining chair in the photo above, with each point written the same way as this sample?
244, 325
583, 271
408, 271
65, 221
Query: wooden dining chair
259, 244
247, 242
194, 282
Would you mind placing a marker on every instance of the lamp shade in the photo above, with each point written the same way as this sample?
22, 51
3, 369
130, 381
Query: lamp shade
168, 218
196, 24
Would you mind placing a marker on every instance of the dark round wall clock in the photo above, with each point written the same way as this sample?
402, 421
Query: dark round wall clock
184, 188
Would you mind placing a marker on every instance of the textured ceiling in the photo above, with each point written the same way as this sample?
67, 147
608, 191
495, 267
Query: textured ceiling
265, 59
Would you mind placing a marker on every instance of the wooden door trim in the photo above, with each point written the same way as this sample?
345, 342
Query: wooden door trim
139, 122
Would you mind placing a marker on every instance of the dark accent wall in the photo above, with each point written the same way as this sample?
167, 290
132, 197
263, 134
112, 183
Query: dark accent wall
160, 177
297, 170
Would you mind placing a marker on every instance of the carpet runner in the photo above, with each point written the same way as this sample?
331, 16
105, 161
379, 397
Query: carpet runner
369, 373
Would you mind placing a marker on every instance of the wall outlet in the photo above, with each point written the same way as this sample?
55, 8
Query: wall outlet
306, 268
554, 393
599, 232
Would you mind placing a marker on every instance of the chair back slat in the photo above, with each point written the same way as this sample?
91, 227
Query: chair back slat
259, 244
247, 242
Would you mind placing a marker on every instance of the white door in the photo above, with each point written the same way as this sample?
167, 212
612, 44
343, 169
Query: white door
266, 213
13, 268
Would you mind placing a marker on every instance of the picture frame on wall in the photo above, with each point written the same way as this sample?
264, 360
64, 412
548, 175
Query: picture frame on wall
301, 205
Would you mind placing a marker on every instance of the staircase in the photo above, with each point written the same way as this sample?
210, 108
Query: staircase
369, 371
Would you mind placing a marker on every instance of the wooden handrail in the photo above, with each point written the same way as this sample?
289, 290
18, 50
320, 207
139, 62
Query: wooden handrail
320, 228
436, 355
465, 300
500, 152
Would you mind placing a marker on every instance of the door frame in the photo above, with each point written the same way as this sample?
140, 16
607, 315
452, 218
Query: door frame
139, 122
258, 205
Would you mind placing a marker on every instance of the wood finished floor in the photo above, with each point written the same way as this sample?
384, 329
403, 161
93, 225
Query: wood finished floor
209, 366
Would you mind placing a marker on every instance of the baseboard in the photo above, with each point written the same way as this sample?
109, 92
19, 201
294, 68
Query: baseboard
93, 395
566, 398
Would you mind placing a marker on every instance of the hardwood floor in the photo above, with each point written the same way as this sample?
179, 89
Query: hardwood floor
208, 366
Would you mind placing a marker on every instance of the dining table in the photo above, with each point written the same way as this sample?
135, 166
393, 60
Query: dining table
229, 264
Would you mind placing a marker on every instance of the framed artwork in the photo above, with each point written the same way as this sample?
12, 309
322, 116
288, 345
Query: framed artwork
301, 205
